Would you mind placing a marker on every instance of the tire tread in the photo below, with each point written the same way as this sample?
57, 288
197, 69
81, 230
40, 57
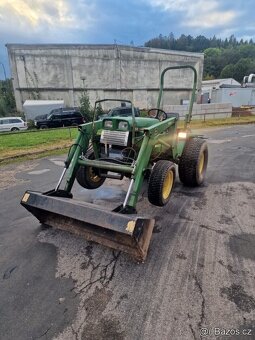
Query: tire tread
189, 160
156, 181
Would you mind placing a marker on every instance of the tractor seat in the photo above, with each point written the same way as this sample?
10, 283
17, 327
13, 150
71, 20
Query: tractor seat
173, 114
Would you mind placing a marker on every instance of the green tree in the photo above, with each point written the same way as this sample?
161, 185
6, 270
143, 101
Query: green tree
7, 100
230, 56
99, 110
208, 77
228, 71
218, 53
182, 43
212, 62
247, 51
201, 43
85, 107
243, 67
212, 52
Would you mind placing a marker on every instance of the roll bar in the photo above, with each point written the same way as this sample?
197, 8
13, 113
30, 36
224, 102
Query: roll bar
189, 114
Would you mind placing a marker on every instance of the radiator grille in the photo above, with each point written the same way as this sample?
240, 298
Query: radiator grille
114, 137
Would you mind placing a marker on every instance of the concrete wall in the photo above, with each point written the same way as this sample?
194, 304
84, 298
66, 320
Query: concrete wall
203, 111
107, 71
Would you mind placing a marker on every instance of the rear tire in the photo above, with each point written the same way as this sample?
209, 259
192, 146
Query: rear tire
87, 176
42, 127
161, 183
193, 162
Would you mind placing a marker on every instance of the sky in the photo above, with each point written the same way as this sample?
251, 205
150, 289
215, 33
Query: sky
122, 22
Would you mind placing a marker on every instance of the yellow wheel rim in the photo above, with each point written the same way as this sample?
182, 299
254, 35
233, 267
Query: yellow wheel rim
201, 164
93, 177
167, 185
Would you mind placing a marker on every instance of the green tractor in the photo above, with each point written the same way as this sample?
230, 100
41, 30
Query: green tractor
138, 148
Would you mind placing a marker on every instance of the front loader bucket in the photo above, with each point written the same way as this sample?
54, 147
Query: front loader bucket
128, 233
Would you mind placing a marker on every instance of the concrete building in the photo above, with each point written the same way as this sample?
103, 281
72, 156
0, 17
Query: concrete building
209, 85
229, 91
237, 96
61, 72
217, 83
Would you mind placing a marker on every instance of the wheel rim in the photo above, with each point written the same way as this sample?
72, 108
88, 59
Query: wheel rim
93, 176
201, 164
167, 185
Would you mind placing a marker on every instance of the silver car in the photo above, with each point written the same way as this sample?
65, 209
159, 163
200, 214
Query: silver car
12, 124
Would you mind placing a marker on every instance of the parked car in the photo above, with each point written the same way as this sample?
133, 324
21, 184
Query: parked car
121, 111
12, 124
59, 118
40, 117
64, 109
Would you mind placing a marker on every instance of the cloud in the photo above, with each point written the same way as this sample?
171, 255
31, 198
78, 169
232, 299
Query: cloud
209, 20
33, 17
198, 14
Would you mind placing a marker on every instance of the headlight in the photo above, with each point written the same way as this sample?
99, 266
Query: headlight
35, 122
182, 135
123, 126
108, 124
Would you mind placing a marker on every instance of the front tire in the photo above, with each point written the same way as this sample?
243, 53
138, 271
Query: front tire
14, 129
193, 162
161, 183
87, 176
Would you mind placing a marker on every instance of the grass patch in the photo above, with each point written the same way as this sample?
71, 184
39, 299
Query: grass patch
200, 124
31, 142
29, 139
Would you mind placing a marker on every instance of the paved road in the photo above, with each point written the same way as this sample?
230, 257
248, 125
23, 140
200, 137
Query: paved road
199, 273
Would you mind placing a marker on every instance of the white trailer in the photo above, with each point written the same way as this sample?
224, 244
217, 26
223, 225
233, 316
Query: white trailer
33, 108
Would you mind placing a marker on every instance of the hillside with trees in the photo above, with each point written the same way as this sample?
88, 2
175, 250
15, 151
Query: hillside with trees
224, 58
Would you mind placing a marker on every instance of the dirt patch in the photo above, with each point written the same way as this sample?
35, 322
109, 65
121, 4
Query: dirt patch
107, 327
181, 256
242, 300
12, 154
243, 245
8, 174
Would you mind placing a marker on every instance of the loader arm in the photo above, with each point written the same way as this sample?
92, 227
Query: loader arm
79, 147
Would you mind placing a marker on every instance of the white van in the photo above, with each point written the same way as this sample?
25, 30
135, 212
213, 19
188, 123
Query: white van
12, 124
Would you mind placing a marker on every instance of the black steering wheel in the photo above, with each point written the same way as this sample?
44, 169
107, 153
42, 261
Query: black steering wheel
157, 113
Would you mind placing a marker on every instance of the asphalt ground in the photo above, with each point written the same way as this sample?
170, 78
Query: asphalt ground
198, 280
